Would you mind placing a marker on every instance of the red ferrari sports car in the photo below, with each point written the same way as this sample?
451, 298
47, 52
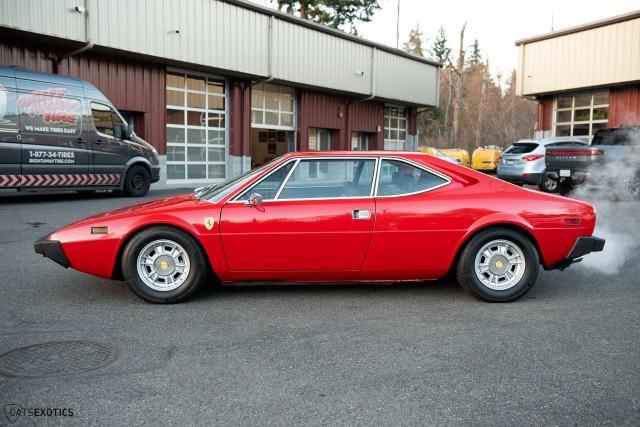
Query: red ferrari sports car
335, 217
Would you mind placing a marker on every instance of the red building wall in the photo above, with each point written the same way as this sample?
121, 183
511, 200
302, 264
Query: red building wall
624, 106
131, 85
342, 114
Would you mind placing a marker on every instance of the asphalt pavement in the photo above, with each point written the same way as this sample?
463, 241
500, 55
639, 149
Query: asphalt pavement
402, 354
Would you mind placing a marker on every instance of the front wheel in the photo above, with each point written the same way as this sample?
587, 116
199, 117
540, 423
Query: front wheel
498, 265
137, 181
163, 265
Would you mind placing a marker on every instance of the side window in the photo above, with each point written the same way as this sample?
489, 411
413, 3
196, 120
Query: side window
341, 178
102, 118
398, 178
9, 123
118, 126
269, 186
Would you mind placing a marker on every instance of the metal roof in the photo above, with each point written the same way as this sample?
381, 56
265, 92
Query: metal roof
583, 27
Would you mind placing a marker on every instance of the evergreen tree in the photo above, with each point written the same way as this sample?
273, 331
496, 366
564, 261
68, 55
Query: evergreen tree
334, 13
439, 50
414, 44
475, 58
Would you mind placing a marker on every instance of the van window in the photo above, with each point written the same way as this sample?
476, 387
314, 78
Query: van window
8, 112
102, 118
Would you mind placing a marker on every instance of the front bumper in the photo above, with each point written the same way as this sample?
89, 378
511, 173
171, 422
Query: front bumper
51, 249
155, 173
583, 246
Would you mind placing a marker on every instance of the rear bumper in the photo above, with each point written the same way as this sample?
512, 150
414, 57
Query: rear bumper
51, 249
584, 245
577, 176
525, 178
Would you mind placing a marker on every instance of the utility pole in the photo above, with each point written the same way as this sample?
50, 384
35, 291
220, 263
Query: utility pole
398, 27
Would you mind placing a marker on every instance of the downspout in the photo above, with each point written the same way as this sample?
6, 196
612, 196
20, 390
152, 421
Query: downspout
372, 91
87, 37
269, 54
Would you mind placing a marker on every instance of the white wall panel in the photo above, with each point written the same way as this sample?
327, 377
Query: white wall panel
594, 57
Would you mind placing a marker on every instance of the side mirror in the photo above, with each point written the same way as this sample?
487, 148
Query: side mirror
255, 199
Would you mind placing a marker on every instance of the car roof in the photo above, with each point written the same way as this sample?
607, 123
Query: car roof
550, 140
368, 153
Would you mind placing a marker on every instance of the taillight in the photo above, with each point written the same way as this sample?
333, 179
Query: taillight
532, 157
593, 152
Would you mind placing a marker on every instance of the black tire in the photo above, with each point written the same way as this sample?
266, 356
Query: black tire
469, 280
137, 181
196, 276
548, 184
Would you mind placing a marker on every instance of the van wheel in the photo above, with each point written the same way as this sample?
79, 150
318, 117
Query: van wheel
498, 265
137, 181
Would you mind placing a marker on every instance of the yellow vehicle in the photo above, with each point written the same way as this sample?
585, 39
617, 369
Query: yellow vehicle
459, 154
486, 158
436, 152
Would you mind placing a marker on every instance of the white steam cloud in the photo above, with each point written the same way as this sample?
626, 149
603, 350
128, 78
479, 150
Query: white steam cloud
610, 188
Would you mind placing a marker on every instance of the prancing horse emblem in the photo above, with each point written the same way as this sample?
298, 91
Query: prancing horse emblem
208, 223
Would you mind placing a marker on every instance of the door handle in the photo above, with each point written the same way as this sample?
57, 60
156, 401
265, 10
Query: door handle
361, 214
98, 142
80, 141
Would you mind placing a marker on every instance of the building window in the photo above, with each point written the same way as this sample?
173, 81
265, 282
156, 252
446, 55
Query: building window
319, 139
395, 128
272, 107
581, 115
196, 128
359, 141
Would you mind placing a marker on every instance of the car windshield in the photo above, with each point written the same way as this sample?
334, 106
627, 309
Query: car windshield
215, 192
521, 148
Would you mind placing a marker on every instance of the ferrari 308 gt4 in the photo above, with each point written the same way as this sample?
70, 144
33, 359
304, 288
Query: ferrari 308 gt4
335, 217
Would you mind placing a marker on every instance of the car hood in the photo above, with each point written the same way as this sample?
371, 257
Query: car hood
173, 202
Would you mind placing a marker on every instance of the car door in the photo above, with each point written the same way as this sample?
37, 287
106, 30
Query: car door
320, 220
9, 134
110, 150
54, 151
415, 230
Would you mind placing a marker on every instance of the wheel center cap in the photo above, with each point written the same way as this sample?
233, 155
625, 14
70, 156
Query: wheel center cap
499, 265
164, 265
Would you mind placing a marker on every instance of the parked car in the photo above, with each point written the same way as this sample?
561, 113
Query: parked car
486, 158
524, 163
460, 155
58, 132
612, 161
436, 152
335, 217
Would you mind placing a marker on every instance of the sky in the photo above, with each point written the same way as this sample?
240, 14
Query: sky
496, 24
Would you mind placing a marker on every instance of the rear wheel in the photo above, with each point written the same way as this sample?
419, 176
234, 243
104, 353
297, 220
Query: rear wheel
548, 184
498, 265
163, 265
137, 181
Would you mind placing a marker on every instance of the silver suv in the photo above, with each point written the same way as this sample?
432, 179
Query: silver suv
523, 162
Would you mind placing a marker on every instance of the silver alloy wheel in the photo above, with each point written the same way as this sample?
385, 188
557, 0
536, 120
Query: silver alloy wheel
163, 265
499, 265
